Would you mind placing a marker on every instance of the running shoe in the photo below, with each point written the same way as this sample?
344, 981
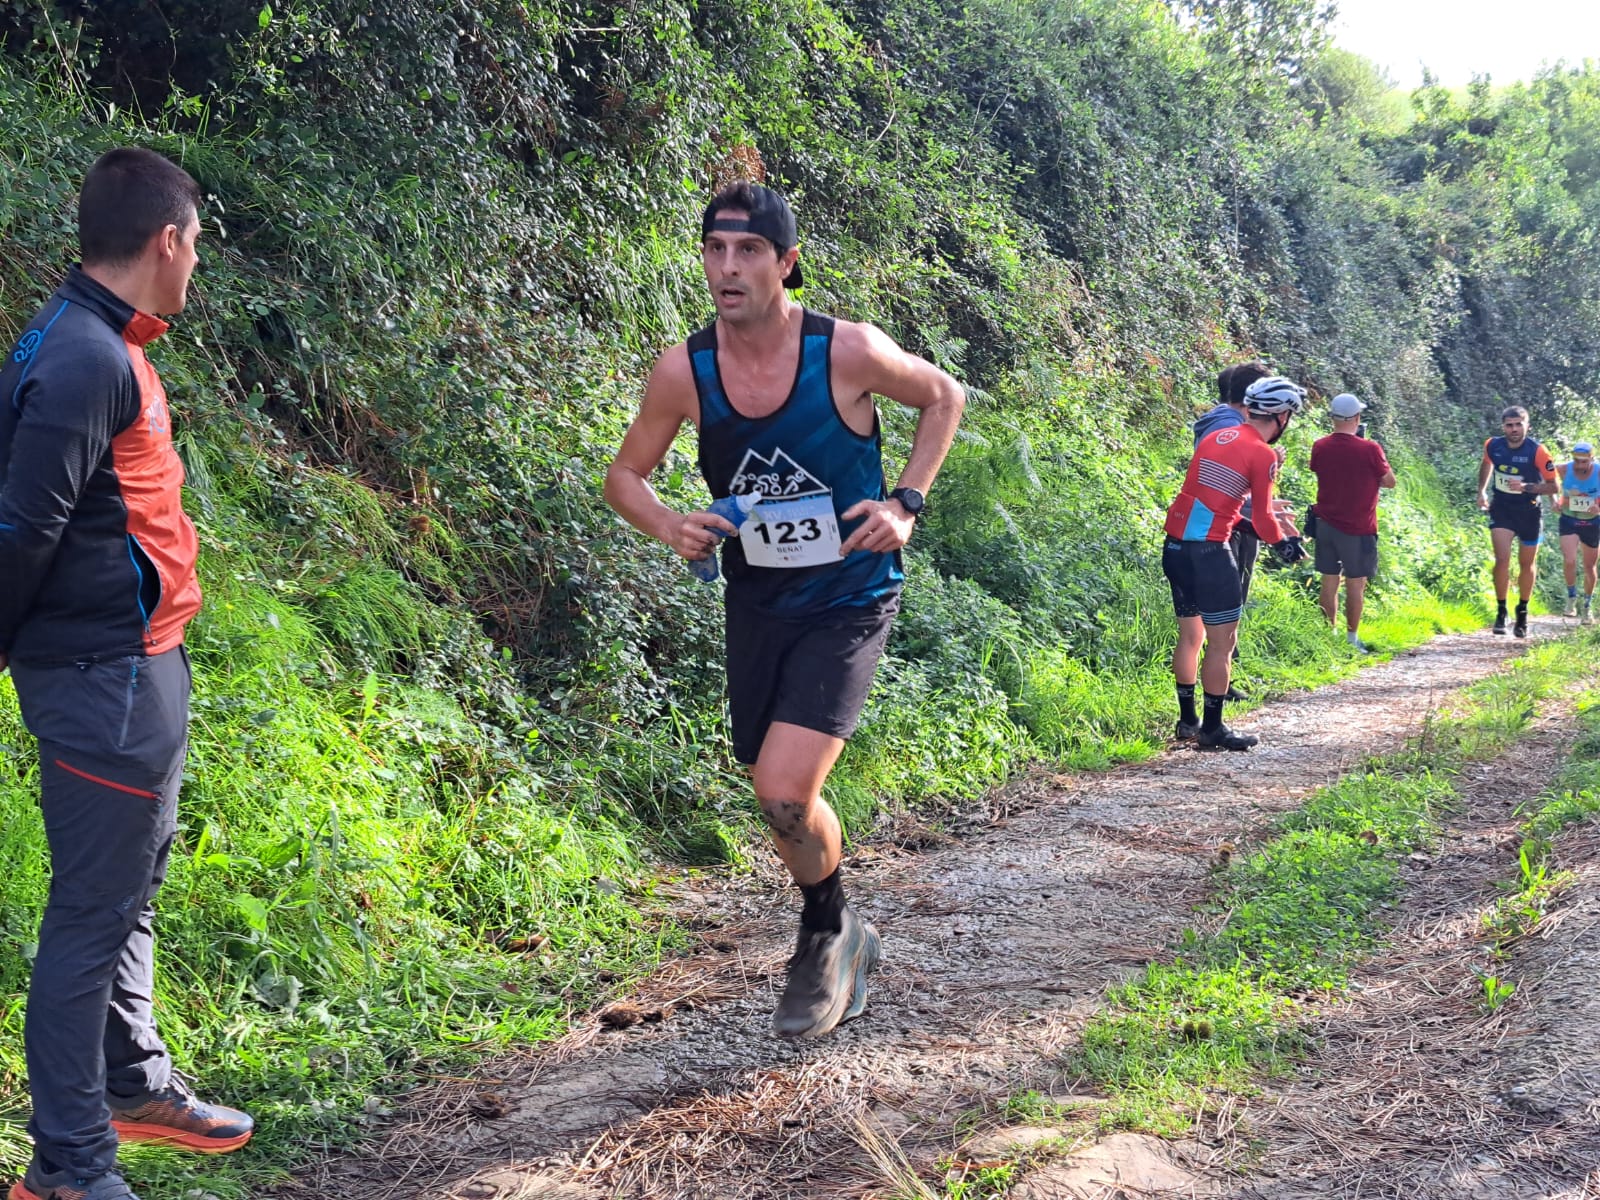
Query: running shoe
1223, 738
1588, 617
1186, 731
1500, 622
1571, 610
827, 978
176, 1117
1520, 628
1359, 646
39, 1184
1234, 696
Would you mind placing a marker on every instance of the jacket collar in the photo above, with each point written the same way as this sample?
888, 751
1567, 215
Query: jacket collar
133, 326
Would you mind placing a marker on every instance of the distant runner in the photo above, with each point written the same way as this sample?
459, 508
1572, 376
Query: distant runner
1579, 506
1199, 564
784, 402
1520, 470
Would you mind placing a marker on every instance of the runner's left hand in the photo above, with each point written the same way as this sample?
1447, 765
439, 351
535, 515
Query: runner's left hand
887, 527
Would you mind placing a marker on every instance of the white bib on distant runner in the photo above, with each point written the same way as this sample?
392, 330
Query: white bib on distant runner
1580, 502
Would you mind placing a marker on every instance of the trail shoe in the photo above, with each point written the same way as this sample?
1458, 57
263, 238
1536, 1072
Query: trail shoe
1571, 610
1520, 629
1186, 731
1233, 695
827, 978
39, 1184
175, 1117
1223, 738
1500, 622
1588, 617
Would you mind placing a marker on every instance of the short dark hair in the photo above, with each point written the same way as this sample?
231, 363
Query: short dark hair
1232, 381
1516, 410
128, 196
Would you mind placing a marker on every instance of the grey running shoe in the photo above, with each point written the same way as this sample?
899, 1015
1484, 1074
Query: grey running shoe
1571, 610
69, 1185
1223, 738
827, 978
1186, 731
1359, 646
1588, 617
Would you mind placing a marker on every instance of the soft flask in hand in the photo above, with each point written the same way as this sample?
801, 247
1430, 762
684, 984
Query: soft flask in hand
733, 509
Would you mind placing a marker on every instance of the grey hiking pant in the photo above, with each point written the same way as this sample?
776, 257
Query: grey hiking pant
112, 734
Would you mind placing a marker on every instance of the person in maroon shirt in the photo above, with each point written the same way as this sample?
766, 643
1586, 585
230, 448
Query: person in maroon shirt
1349, 470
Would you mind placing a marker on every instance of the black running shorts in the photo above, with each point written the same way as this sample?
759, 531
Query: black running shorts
1205, 580
1523, 519
1588, 531
814, 672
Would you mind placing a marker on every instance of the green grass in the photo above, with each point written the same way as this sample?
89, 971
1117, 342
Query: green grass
1308, 904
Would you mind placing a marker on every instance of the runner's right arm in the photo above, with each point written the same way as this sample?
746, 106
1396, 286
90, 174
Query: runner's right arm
1271, 524
1485, 469
670, 400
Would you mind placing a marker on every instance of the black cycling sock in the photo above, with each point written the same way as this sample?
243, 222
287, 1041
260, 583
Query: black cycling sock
823, 911
1186, 712
1213, 717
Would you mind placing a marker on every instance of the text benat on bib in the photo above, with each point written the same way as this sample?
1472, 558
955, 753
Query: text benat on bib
798, 525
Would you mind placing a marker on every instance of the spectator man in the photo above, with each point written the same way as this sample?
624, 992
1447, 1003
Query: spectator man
1350, 470
98, 563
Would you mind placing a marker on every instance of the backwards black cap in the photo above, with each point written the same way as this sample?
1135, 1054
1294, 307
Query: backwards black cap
770, 217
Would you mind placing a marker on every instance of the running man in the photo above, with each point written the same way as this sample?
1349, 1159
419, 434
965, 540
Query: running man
1521, 471
783, 399
1198, 562
98, 560
1579, 505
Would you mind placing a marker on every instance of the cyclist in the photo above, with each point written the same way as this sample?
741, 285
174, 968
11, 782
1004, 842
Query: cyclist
1228, 465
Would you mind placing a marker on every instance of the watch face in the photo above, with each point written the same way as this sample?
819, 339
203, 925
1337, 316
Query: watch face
910, 499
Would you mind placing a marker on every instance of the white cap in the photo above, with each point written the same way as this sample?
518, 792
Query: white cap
1344, 406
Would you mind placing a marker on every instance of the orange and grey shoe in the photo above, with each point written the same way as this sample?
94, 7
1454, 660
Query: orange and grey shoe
174, 1116
39, 1184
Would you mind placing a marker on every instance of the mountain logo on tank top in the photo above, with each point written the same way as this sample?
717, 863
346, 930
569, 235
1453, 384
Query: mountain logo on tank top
778, 477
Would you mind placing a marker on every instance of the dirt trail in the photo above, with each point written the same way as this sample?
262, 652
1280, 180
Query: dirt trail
996, 951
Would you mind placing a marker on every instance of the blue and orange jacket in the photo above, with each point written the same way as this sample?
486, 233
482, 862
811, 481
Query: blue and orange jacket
97, 557
1227, 466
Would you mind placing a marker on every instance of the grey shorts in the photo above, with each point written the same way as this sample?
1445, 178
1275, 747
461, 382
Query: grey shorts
1353, 555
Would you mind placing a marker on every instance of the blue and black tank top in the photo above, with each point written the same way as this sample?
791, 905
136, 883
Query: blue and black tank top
809, 467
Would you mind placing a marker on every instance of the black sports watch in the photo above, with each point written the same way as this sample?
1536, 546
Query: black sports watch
910, 499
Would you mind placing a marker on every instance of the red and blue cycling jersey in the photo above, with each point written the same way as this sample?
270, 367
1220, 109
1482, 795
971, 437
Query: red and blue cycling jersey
1227, 466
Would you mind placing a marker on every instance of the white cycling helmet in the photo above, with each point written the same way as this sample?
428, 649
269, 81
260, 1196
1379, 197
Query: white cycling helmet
1274, 395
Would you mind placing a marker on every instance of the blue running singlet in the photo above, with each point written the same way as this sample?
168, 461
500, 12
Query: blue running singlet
810, 467
1583, 495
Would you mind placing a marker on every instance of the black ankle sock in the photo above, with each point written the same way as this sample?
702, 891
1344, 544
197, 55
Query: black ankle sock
1186, 712
1522, 608
823, 911
1213, 717
1500, 608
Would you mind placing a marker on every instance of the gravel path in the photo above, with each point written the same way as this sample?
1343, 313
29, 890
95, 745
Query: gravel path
996, 951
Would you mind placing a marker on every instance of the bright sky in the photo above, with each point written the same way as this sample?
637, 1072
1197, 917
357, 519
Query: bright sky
1508, 39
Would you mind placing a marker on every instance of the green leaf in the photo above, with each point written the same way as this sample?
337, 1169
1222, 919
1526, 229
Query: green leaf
264, 17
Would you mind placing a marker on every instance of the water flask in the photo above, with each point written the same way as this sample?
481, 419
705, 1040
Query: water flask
733, 509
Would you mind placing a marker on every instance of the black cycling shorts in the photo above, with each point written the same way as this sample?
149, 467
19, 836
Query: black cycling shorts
1588, 531
1523, 519
814, 671
1205, 580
